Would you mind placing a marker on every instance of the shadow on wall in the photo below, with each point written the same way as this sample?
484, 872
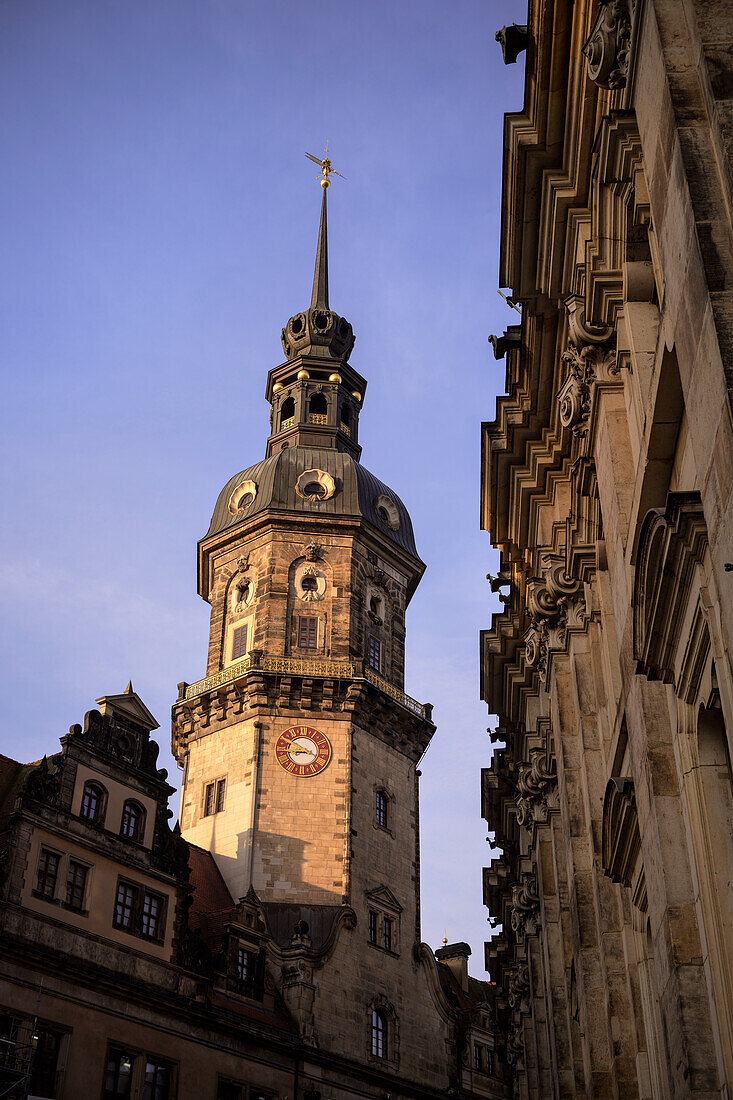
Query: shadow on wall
279, 869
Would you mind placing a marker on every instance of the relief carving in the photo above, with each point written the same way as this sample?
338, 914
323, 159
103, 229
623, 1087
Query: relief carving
536, 789
555, 604
609, 45
525, 907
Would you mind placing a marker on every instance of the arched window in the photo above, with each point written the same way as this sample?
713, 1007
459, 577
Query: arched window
346, 414
379, 1033
380, 808
318, 405
287, 413
93, 802
133, 821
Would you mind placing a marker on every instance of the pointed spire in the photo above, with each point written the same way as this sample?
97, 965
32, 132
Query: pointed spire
319, 298
129, 689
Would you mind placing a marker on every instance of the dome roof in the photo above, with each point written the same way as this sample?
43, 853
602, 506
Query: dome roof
278, 482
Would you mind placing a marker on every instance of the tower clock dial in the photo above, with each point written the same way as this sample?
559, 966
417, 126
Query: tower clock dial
303, 750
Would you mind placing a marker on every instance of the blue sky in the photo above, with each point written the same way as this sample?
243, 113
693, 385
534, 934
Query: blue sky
158, 229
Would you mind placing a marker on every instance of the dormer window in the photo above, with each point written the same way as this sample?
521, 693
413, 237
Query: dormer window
93, 803
133, 820
245, 966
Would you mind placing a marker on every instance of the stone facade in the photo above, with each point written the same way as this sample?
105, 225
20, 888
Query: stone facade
606, 485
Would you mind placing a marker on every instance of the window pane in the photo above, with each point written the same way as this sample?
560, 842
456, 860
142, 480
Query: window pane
125, 905
151, 914
381, 809
307, 632
157, 1081
48, 869
91, 802
118, 1077
374, 654
372, 926
240, 642
220, 789
387, 933
45, 1060
245, 965
379, 1044
209, 800
76, 884
131, 817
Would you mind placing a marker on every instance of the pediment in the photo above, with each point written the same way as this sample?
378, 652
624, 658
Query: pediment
382, 895
128, 705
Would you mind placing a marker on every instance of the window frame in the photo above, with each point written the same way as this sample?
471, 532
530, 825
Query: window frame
141, 895
86, 868
139, 831
381, 809
309, 632
372, 920
374, 654
388, 933
101, 810
239, 641
39, 890
379, 1044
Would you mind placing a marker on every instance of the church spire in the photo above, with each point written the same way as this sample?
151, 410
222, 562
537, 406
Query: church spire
319, 298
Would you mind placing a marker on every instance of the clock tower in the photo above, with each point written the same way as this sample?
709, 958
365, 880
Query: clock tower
299, 746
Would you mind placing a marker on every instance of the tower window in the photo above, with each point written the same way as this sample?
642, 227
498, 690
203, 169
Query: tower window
239, 643
307, 632
76, 885
92, 802
381, 809
48, 870
374, 653
318, 405
372, 926
314, 489
133, 817
214, 795
309, 584
287, 414
245, 966
379, 1034
387, 933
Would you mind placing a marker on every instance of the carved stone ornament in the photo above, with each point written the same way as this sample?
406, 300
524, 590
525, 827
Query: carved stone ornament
243, 563
554, 603
536, 789
313, 551
515, 1044
315, 486
525, 907
242, 497
519, 989
609, 44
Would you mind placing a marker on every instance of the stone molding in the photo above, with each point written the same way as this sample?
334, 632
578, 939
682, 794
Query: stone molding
589, 356
536, 789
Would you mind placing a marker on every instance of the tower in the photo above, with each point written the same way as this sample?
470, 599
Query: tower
299, 746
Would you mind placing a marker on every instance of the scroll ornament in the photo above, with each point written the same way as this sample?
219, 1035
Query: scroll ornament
525, 907
536, 786
609, 45
555, 603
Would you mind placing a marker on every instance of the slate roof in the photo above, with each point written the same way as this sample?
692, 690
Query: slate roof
275, 477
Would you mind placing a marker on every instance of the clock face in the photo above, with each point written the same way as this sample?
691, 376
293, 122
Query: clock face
303, 750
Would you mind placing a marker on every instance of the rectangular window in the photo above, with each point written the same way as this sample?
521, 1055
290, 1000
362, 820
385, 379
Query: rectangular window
372, 926
125, 906
118, 1076
76, 885
46, 1044
48, 871
157, 1081
245, 966
229, 1090
478, 1060
307, 628
379, 1034
387, 933
489, 1061
151, 916
209, 799
220, 791
374, 654
239, 647
381, 809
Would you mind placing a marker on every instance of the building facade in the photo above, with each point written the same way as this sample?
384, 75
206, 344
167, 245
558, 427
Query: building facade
606, 485
268, 946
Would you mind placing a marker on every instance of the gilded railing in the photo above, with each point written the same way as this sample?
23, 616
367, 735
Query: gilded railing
390, 689
296, 666
317, 418
287, 423
345, 428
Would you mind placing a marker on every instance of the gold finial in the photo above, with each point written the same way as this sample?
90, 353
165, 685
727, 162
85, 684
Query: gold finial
445, 937
325, 166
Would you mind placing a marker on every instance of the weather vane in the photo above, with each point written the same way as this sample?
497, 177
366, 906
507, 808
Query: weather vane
325, 166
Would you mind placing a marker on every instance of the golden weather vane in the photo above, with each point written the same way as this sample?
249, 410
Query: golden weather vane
325, 166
